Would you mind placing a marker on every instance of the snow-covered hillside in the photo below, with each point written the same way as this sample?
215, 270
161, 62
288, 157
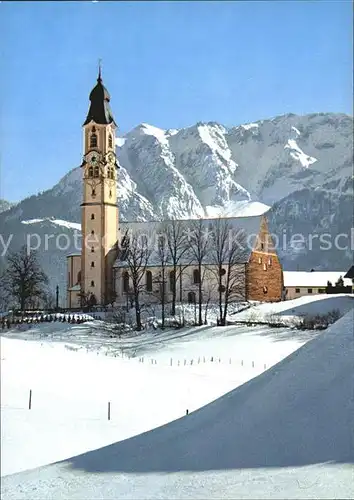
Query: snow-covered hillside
301, 166
286, 433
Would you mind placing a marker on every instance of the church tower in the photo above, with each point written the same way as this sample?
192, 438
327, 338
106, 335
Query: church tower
99, 206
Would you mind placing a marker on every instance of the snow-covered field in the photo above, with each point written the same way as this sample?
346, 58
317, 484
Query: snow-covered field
306, 305
286, 434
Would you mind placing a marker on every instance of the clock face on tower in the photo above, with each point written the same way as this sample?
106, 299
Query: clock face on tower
93, 157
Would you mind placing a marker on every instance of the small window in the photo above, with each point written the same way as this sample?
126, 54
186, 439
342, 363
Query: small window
92, 283
161, 242
148, 280
309, 290
264, 267
92, 232
321, 290
172, 280
196, 276
92, 216
92, 264
297, 290
262, 246
92, 249
93, 141
96, 172
222, 272
143, 241
191, 298
110, 141
125, 282
265, 289
110, 193
90, 172
259, 260
79, 277
93, 192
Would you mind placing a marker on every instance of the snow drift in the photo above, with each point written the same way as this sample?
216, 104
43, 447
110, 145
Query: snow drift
295, 415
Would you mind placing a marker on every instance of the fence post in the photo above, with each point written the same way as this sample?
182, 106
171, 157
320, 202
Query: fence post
252, 364
30, 400
187, 412
171, 362
109, 410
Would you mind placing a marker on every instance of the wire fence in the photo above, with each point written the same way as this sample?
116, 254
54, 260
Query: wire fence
216, 360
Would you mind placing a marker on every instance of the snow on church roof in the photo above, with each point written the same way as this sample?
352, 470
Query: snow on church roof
248, 226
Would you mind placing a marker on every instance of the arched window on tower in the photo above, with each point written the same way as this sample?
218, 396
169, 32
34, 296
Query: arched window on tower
125, 282
90, 172
93, 140
148, 281
96, 172
110, 141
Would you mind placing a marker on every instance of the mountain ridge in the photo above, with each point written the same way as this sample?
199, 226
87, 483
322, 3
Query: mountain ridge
300, 165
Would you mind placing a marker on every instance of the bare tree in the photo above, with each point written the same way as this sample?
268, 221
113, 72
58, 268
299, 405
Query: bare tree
135, 254
198, 241
87, 300
178, 247
162, 256
23, 278
227, 254
5, 298
49, 300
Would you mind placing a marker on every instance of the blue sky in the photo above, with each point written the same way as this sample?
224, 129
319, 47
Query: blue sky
170, 64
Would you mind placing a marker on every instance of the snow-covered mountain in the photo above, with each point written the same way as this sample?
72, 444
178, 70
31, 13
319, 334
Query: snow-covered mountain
301, 166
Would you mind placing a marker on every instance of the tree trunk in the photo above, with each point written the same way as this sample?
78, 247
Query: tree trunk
137, 310
220, 297
226, 304
174, 291
180, 284
200, 319
23, 303
163, 298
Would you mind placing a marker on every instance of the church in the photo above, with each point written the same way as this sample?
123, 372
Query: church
100, 274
